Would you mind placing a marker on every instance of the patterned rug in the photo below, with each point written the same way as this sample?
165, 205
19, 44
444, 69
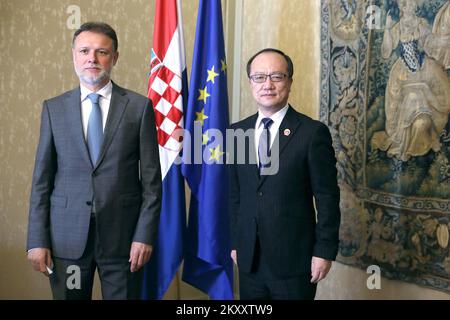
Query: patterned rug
385, 95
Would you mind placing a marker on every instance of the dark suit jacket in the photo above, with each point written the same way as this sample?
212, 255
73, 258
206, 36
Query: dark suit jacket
279, 208
125, 182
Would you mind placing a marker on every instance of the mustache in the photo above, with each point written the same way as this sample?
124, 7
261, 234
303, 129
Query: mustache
93, 65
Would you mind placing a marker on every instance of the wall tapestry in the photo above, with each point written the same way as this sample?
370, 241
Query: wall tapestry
385, 95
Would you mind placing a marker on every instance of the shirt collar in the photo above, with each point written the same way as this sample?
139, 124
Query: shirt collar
104, 92
276, 117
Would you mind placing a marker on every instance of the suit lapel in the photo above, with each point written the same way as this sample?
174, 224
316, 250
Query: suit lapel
117, 107
252, 160
72, 103
288, 126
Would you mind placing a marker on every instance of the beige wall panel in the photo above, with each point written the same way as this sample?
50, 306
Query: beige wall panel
36, 64
293, 27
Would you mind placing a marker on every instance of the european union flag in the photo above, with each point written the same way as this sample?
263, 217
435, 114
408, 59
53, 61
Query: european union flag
207, 262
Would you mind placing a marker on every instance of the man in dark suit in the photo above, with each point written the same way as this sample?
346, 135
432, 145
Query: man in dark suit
96, 190
279, 246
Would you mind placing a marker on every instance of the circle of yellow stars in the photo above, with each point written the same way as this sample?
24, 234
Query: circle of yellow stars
215, 153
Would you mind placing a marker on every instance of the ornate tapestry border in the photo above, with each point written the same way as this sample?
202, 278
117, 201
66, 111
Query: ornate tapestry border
400, 202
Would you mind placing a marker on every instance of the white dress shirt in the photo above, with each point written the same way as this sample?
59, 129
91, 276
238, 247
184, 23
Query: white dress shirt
277, 118
86, 104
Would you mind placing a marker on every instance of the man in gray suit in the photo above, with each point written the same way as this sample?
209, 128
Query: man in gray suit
96, 190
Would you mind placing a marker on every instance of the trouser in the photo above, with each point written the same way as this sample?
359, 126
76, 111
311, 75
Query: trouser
73, 279
262, 284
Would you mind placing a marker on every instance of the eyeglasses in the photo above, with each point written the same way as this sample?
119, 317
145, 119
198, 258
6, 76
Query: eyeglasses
274, 77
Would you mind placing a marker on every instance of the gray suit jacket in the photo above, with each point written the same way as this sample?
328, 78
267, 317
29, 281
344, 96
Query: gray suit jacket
125, 182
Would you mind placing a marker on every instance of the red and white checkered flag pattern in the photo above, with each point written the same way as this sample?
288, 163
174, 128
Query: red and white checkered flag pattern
165, 92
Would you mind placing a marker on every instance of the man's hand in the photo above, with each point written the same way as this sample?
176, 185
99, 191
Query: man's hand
233, 255
40, 259
319, 269
139, 255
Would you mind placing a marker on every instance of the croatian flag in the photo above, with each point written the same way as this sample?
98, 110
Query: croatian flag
167, 88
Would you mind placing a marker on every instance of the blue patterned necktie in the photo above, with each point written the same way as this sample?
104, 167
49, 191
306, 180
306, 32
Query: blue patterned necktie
95, 128
264, 144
